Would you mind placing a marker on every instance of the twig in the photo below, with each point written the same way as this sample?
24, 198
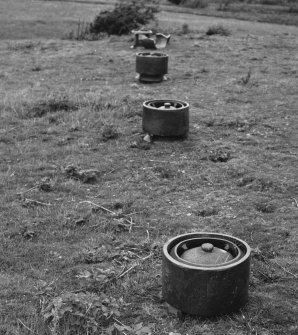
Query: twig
134, 265
263, 274
95, 226
296, 202
37, 202
251, 236
208, 179
121, 324
130, 227
11, 129
246, 79
285, 270
25, 326
128, 270
88, 308
133, 213
153, 160
248, 325
109, 211
110, 172
99, 206
158, 161
133, 253
30, 189
144, 258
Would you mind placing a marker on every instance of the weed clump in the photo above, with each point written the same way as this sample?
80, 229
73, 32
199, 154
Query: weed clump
109, 132
218, 30
164, 173
80, 313
185, 29
245, 79
51, 105
85, 176
265, 207
219, 155
124, 17
207, 211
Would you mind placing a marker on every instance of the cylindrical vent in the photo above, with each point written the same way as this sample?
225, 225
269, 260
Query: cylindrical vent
169, 118
207, 283
151, 66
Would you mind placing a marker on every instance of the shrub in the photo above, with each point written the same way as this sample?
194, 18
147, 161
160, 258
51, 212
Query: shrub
82, 32
224, 4
271, 2
176, 2
124, 17
195, 3
191, 3
293, 6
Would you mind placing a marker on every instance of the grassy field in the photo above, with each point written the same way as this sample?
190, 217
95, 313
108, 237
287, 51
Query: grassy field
281, 12
86, 205
54, 18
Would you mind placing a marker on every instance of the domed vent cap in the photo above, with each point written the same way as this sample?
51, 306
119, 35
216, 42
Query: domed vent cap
207, 254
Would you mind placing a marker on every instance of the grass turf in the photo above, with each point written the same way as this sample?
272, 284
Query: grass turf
76, 103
